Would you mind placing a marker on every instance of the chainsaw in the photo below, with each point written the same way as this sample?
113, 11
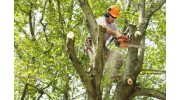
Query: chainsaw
124, 42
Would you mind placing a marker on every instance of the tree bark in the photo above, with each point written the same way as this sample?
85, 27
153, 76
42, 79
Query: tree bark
92, 81
149, 93
24, 91
78, 66
125, 87
90, 19
99, 64
66, 89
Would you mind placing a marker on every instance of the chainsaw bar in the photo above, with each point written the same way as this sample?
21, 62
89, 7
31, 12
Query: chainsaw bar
137, 46
124, 42
126, 45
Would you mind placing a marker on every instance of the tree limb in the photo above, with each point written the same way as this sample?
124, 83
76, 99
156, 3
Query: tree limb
141, 11
77, 64
132, 58
30, 23
140, 58
134, 5
153, 9
125, 21
90, 19
22, 9
163, 71
61, 19
66, 88
41, 91
24, 91
149, 93
20, 28
144, 17
99, 62
114, 1
42, 17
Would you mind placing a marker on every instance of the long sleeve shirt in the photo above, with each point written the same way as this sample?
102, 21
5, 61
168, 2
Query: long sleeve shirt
113, 26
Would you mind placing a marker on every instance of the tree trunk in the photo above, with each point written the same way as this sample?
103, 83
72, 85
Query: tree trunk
24, 91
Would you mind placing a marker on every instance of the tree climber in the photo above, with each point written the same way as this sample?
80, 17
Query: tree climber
108, 21
112, 30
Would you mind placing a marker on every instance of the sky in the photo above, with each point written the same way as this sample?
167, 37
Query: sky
7, 50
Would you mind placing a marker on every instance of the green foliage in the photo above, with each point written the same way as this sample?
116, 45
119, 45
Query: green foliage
155, 55
44, 61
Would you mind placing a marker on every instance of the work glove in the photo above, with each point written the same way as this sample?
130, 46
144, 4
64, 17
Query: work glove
122, 38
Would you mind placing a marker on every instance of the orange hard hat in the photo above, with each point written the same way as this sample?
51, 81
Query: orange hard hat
114, 11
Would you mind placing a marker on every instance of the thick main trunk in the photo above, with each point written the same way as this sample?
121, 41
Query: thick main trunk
125, 87
123, 91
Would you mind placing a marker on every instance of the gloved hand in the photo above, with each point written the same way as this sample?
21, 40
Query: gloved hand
118, 35
123, 38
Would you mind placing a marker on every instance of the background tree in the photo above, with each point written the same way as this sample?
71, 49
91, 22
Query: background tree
44, 70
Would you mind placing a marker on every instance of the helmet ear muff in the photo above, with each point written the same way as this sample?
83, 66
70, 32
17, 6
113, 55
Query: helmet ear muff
107, 14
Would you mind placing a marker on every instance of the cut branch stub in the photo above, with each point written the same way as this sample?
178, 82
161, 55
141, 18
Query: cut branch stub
70, 35
128, 80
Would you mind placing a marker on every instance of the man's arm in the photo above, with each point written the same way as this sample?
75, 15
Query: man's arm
101, 21
114, 33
